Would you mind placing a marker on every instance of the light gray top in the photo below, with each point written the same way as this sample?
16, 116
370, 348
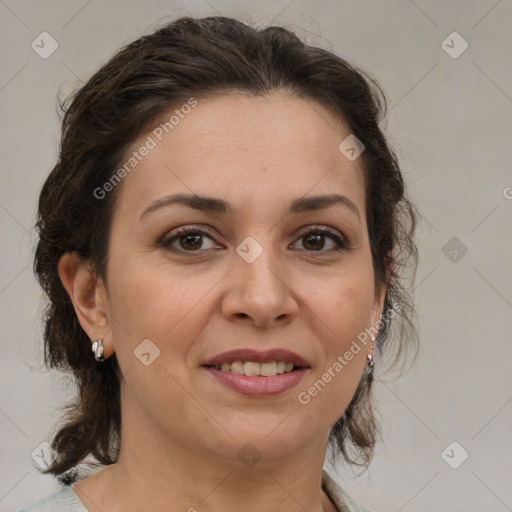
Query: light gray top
65, 500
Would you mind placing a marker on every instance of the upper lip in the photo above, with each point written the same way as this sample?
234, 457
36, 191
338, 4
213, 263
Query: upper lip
257, 356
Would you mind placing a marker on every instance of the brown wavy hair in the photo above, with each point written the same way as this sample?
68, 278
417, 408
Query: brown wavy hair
201, 57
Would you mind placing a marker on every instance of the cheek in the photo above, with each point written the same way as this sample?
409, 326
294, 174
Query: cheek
345, 304
345, 308
156, 302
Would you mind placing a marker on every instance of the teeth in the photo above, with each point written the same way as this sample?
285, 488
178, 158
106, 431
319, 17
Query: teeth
252, 369
237, 367
268, 369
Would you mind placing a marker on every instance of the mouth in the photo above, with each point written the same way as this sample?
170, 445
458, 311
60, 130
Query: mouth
257, 373
255, 369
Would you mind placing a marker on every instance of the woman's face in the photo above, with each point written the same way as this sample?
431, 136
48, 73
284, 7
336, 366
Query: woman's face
251, 272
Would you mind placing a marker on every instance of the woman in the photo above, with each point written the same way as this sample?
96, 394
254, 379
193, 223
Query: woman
220, 243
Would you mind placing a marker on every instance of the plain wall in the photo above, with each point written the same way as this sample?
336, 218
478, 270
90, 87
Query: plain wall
450, 122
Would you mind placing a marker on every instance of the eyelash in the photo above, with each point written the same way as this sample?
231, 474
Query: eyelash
317, 230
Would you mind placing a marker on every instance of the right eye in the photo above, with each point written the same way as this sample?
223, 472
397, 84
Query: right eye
189, 240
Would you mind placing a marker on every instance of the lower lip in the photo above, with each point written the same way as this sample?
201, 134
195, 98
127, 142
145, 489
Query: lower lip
258, 386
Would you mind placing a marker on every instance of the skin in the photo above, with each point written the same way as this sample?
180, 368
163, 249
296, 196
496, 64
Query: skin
182, 429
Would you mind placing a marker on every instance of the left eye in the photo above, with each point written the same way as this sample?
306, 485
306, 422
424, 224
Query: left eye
192, 240
314, 238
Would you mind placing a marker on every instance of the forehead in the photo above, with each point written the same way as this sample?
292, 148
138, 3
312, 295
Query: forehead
254, 150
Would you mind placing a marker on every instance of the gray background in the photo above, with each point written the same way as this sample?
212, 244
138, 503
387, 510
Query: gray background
451, 123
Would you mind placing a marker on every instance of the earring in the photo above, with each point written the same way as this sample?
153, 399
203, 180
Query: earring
97, 348
369, 357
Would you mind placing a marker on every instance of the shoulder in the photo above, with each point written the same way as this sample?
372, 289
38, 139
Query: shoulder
342, 501
64, 500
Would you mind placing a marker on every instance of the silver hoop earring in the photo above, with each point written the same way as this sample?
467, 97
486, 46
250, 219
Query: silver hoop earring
97, 348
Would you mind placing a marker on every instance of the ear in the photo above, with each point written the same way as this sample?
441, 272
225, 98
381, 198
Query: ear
380, 296
88, 295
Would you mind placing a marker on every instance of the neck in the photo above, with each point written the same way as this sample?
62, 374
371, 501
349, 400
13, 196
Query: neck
157, 473
145, 478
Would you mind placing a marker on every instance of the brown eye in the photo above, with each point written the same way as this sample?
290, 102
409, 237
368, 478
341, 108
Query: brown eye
187, 240
315, 240
320, 240
191, 242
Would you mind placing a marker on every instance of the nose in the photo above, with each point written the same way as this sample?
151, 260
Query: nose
260, 293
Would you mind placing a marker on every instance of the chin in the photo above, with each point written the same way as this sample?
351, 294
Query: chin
275, 435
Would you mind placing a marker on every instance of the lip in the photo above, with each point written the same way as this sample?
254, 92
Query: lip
258, 386
258, 356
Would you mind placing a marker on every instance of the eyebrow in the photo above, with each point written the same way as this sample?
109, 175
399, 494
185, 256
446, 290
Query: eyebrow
216, 205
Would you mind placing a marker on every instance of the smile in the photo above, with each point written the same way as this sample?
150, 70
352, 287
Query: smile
258, 373
253, 369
